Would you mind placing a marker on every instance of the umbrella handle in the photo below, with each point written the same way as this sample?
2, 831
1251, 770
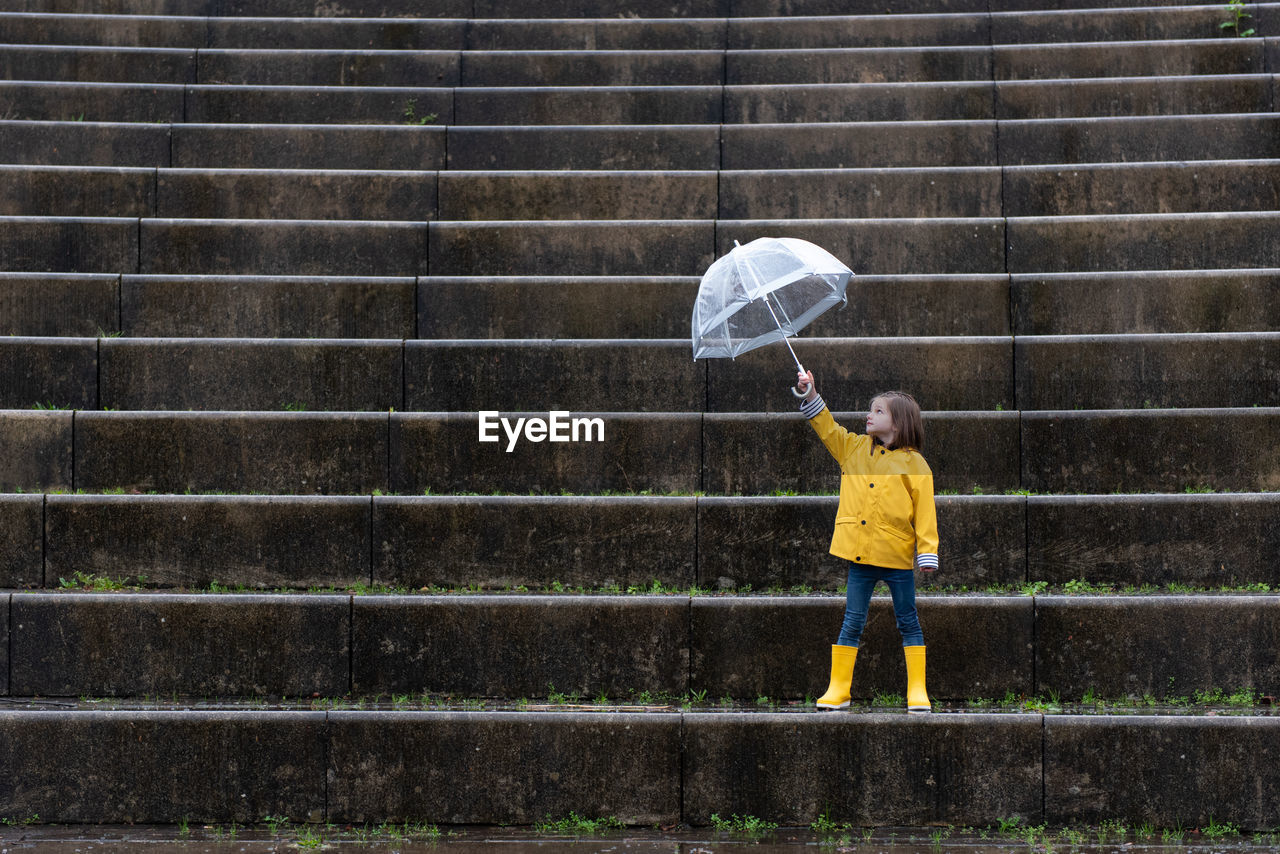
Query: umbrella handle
797, 392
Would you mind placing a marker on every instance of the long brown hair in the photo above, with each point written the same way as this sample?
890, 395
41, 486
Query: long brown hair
908, 424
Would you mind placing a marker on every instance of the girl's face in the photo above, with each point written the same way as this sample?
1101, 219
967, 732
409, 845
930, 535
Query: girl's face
880, 422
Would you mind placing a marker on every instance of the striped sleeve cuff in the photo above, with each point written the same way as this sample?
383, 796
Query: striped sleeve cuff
926, 561
810, 408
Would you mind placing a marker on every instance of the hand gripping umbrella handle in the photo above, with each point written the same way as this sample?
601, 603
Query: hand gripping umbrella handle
797, 392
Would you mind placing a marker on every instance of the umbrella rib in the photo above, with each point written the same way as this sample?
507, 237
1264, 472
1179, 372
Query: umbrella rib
785, 339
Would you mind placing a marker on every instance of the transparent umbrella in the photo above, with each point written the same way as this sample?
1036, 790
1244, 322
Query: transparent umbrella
765, 291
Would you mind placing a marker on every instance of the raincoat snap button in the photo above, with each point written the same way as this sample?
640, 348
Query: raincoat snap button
864, 521
873, 486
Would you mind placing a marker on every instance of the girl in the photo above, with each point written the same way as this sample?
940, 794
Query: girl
886, 526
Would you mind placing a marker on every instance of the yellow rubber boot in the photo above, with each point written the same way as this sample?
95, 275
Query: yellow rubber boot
837, 696
917, 697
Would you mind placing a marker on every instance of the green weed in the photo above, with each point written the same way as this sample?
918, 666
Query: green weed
576, 825
1236, 8
745, 825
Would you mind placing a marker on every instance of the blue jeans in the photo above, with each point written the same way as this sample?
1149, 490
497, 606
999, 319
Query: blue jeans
902, 587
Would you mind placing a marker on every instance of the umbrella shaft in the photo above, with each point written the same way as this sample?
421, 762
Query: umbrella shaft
785, 340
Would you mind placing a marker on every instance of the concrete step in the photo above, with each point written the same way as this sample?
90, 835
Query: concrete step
713, 543
1131, 58
1139, 138
303, 453
1133, 96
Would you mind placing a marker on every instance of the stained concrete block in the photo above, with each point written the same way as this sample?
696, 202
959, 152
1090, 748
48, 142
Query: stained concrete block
1151, 450
193, 541
587, 375
535, 541
1169, 301
259, 374
160, 766
68, 64
76, 191
21, 546
49, 372
1163, 58
1133, 96
352, 8
284, 247
4, 651
520, 646
578, 195
857, 65
746, 647
593, 67
85, 143
768, 542
108, 30
841, 145
920, 305
311, 195
888, 246
69, 244
94, 102
553, 306
1122, 646
296, 453
1151, 23
339, 105
594, 33
843, 30
587, 9
598, 247
863, 769
766, 453
132, 645
941, 373
1200, 540
1166, 771
589, 105
1143, 242
1220, 369
857, 102
639, 452
312, 32
359, 307
815, 193
36, 449
329, 67
585, 147
442, 767
1163, 138
297, 146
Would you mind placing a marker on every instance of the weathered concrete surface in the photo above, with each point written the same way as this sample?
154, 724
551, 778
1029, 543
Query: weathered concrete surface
66, 304
589, 105
1161, 646
866, 769
554, 306
520, 646
888, 246
1199, 540
746, 647
267, 306
928, 305
593, 67
1168, 301
840, 145
94, 102
598, 247
70, 64
106, 30
77, 191
1220, 369
160, 767
284, 247
68, 244
595, 33
1100, 452
297, 453
1132, 96
132, 645
503, 768
577, 195
857, 102
85, 143
535, 541
332, 105
36, 450
193, 541
816, 193
304, 194
585, 147
847, 31
1166, 771
1044, 26
4, 649
298, 146
764, 453
857, 65
329, 68
1163, 138
244, 374
942, 373
587, 375
768, 542
441, 452
1156, 58
49, 372
21, 544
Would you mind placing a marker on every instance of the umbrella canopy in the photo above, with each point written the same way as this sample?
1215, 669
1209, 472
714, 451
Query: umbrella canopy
765, 291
